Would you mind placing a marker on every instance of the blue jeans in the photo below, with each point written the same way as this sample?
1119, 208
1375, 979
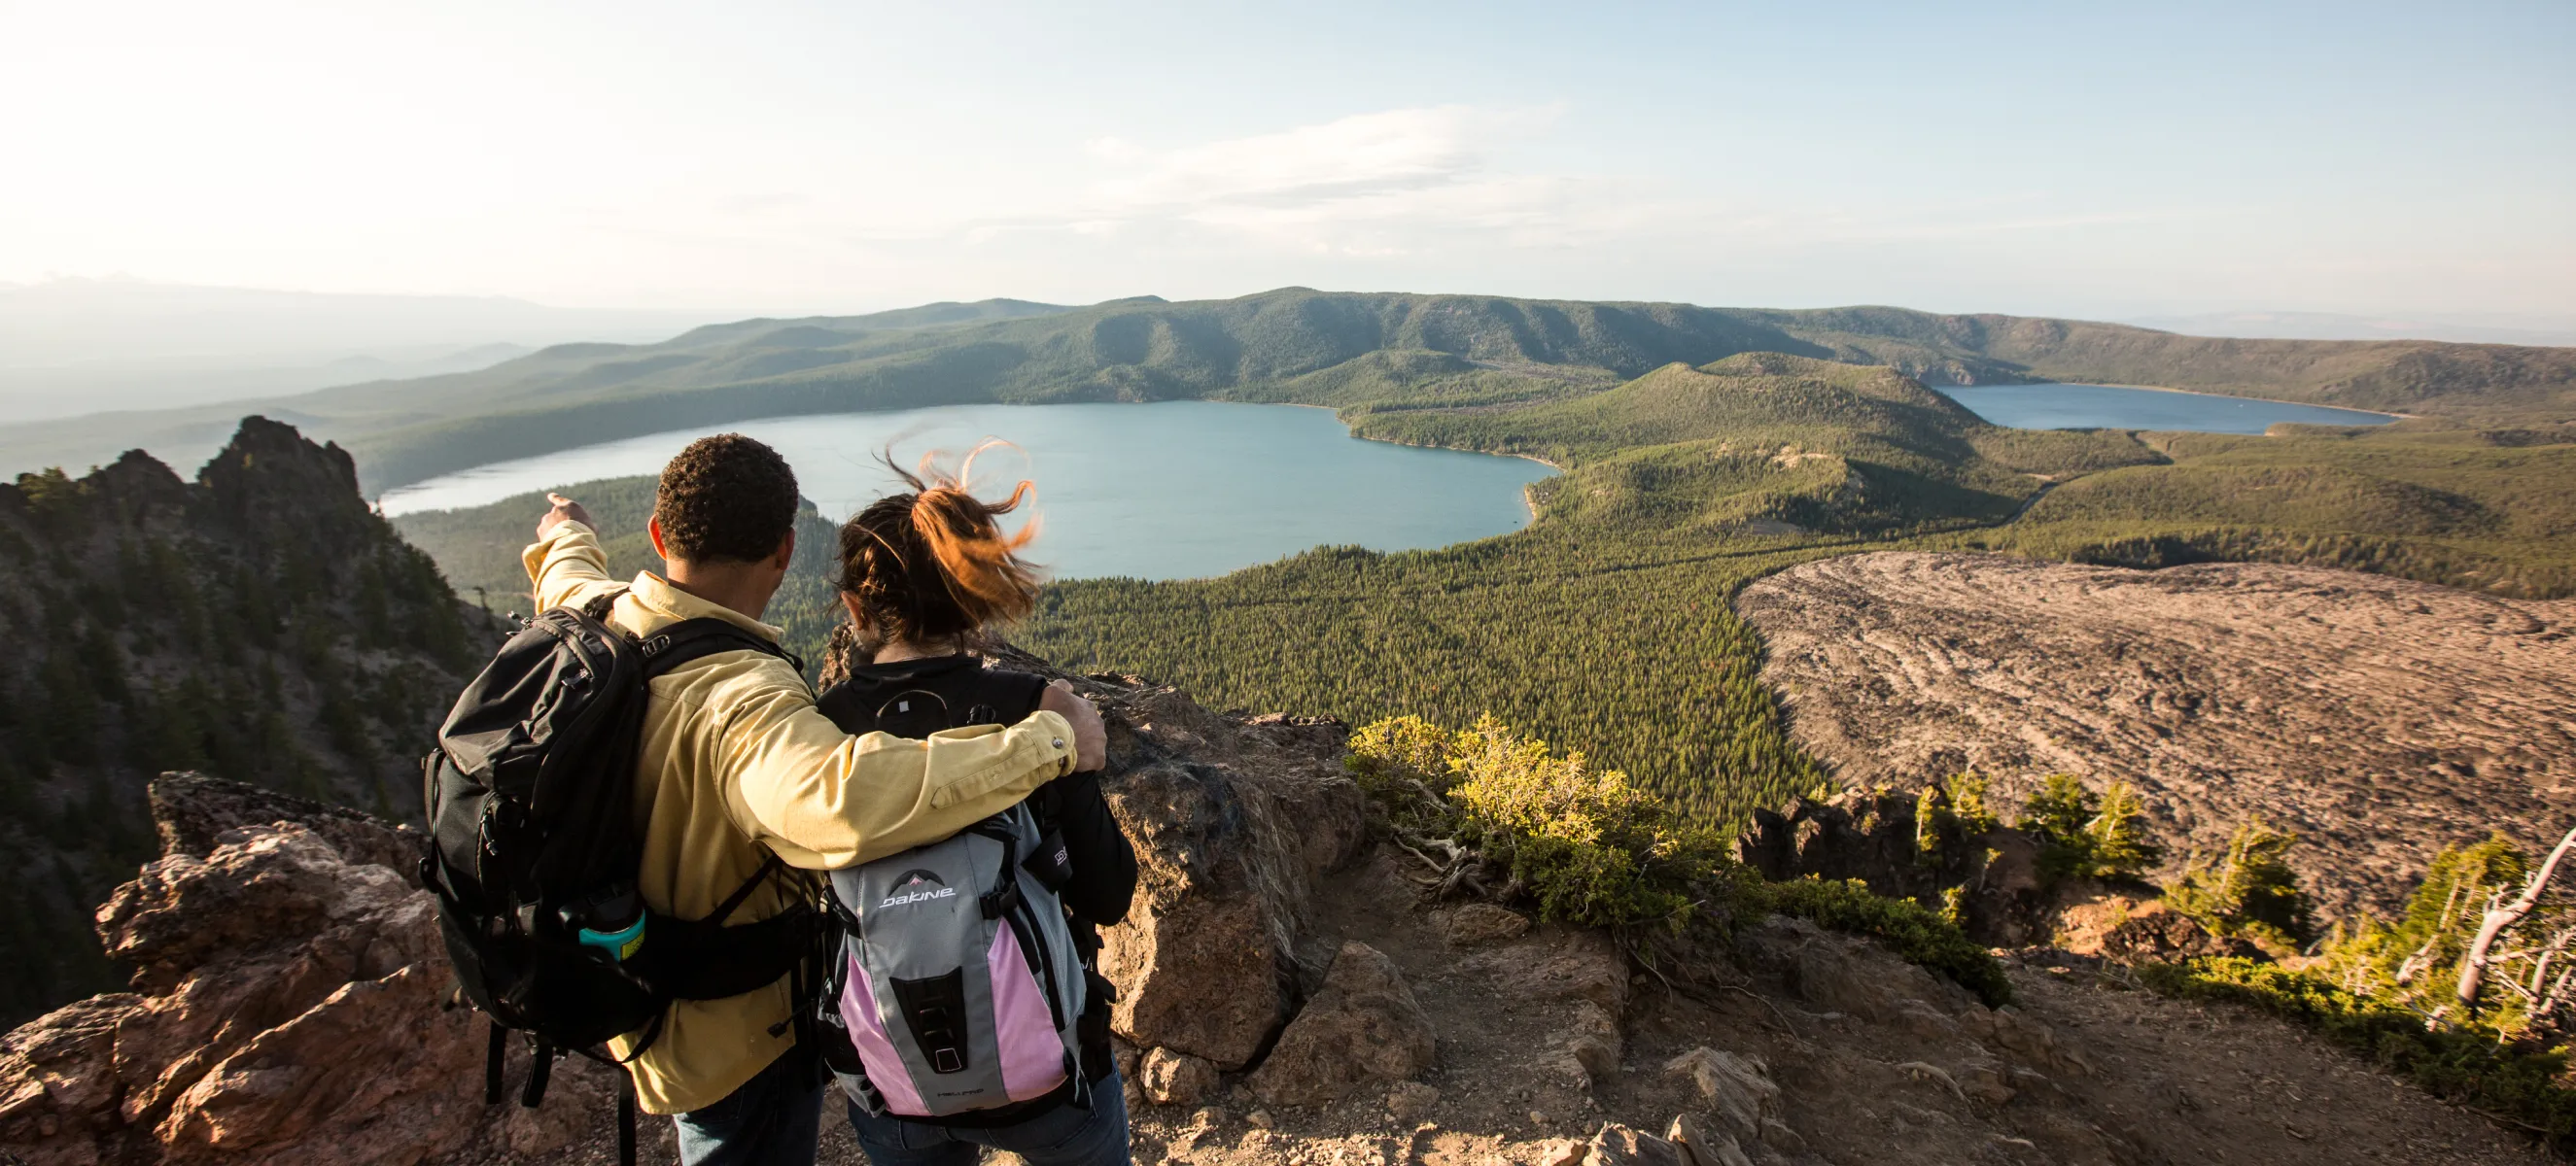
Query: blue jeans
1067, 1135
775, 1119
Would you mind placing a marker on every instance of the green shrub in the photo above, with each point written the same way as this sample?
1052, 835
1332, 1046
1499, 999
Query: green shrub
1918, 933
1588, 847
2517, 1082
1948, 813
2249, 891
2084, 836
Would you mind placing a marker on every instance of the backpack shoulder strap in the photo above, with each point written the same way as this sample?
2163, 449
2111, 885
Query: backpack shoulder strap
696, 639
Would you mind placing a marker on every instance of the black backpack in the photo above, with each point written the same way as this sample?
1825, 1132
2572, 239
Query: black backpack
533, 850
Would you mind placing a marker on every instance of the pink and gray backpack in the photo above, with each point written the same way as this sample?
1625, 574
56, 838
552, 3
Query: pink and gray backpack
957, 983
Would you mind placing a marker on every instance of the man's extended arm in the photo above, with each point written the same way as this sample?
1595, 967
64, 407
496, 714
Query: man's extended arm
823, 799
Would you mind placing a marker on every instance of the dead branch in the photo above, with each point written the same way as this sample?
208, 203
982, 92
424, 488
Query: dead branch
2473, 970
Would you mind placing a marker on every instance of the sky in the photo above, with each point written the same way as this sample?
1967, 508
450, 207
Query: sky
2089, 159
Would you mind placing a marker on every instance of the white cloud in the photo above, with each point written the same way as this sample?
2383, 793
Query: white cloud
1375, 184
1421, 180
1371, 153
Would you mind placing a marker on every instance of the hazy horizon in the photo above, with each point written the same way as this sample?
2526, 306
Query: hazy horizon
831, 159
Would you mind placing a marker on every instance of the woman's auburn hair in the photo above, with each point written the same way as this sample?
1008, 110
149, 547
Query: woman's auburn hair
933, 563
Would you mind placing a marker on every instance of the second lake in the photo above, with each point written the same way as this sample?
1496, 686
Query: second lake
1173, 490
2067, 406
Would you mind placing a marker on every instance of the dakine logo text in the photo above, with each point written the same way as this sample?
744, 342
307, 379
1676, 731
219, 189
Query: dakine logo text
917, 886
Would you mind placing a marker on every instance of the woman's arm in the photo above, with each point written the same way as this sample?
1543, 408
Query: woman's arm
1104, 864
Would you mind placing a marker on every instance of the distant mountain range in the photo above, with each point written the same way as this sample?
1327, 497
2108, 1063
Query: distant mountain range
1361, 352
2461, 328
74, 346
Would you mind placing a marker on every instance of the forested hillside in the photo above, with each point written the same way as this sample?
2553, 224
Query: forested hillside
258, 623
1359, 352
2490, 510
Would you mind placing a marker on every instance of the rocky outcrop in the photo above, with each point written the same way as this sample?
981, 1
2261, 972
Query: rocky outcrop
192, 812
1206, 962
289, 1005
261, 620
1872, 836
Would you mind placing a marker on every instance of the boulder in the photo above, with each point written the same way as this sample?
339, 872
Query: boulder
1845, 973
1739, 1090
263, 891
1196, 972
1618, 1145
1559, 1152
378, 1072
1477, 924
1828, 975
1172, 1078
1363, 1026
1411, 1101
58, 1081
2027, 1040
1704, 1145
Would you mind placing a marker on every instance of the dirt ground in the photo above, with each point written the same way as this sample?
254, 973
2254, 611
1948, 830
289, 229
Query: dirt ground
2381, 719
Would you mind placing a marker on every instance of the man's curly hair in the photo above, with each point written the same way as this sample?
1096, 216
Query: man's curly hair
726, 498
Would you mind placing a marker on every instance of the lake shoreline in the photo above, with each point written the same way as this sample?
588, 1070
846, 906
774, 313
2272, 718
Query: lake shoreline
1220, 489
1527, 501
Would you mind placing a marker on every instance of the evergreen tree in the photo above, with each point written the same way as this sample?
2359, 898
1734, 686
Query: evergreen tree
2249, 890
2117, 837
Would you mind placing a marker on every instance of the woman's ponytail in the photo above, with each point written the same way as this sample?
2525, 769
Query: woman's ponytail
934, 564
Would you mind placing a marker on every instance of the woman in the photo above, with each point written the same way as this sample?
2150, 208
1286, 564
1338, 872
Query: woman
925, 575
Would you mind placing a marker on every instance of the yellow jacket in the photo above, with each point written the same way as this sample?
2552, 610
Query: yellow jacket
735, 758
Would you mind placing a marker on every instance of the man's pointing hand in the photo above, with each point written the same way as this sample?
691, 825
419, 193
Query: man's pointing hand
565, 510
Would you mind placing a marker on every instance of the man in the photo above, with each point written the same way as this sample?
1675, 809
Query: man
736, 764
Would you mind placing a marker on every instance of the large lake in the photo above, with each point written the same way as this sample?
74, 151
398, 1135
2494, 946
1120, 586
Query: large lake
2057, 406
1174, 490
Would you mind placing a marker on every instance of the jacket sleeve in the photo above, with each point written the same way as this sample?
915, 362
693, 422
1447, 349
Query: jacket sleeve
567, 566
823, 799
1104, 862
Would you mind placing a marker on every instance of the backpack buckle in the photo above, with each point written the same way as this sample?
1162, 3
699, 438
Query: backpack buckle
1001, 900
